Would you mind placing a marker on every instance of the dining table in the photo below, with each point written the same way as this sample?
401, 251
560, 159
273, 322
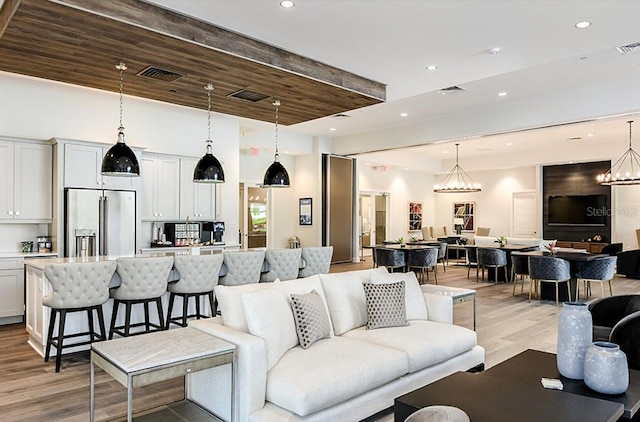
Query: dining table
547, 290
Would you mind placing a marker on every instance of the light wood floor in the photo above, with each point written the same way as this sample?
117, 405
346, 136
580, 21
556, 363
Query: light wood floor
30, 390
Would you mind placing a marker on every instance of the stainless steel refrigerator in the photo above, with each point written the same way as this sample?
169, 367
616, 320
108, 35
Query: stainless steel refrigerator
99, 222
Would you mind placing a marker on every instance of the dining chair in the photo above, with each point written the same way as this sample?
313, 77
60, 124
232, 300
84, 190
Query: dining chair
599, 270
390, 259
472, 259
519, 267
316, 260
241, 267
442, 253
549, 269
492, 258
423, 260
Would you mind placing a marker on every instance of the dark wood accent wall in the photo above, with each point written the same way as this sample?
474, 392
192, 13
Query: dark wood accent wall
337, 206
574, 179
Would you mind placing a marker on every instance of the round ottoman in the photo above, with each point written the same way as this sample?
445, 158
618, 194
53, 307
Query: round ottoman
438, 414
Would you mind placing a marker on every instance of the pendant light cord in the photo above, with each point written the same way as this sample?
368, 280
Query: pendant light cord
276, 103
122, 67
209, 88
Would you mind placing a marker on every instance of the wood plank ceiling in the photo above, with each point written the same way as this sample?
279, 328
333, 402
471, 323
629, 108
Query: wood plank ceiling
81, 41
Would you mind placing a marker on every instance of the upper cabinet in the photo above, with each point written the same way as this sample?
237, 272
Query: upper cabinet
197, 200
26, 182
82, 165
160, 196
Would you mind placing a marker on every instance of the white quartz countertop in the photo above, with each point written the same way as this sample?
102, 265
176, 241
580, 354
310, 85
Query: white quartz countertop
40, 263
26, 254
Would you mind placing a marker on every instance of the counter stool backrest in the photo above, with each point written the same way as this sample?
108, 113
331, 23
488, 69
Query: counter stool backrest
142, 277
198, 273
317, 260
243, 267
283, 264
78, 284
548, 268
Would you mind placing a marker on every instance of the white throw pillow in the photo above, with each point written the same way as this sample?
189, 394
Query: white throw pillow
270, 317
230, 303
414, 299
345, 298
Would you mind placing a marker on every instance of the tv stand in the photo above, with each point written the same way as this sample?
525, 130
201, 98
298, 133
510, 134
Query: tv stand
591, 247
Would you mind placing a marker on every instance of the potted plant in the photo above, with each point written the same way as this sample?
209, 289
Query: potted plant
502, 240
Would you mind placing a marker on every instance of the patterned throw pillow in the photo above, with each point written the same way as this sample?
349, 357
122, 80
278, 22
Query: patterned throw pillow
385, 305
310, 316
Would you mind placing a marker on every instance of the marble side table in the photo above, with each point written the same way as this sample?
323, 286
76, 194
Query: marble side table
149, 358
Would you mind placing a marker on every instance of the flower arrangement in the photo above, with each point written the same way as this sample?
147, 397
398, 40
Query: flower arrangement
502, 240
551, 247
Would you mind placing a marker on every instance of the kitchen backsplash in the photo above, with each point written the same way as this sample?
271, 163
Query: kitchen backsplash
11, 235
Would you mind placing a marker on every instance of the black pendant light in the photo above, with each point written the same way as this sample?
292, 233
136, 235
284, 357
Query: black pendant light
120, 160
208, 169
276, 175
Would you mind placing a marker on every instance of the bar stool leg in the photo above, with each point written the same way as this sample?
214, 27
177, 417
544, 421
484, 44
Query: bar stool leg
198, 314
147, 326
103, 332
52, 323
114, 316
214, 310
185, 305
63, 317
127, 318
170, 308
160, 314
90, 319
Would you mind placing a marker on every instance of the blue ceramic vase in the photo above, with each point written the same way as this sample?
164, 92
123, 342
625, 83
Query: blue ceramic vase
606, 369
575, 335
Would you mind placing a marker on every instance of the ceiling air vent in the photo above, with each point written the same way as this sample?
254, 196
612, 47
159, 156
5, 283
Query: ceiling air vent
450, 90
246, 95
629, 48
159, 74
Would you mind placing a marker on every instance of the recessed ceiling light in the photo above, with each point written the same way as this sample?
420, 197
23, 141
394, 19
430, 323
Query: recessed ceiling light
332, 129
403, 114
287, 4
493, 51
502, 94
590, 134
445, 152
583, 24
432, 67
509, 144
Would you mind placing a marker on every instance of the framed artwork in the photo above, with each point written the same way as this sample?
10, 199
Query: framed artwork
466, 212
415, 216
305, 212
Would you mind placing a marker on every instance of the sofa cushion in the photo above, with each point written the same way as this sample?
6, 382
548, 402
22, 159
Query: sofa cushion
385, 305
269, 316
414, 301
332, 371
310, 317
230, 303
345, 298
305, 285
426, 343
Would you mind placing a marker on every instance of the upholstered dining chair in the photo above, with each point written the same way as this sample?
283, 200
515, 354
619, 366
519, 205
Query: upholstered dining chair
143, 281
198, 277
472, 259
492, 258
549, 269
316, 260
241, 267
442, 253
483, 231
519, 268
76, 287
423, 260
284, 264
599, 270
390, 259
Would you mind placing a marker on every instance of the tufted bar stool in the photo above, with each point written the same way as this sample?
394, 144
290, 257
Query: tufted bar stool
143, 280
283, 264
198, 277
76, 287
317, 260
242, 267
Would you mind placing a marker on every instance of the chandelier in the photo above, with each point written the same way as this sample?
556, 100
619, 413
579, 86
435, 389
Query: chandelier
457, 181
625, 171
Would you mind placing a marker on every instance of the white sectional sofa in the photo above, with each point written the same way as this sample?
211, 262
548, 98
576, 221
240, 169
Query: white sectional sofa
353, 373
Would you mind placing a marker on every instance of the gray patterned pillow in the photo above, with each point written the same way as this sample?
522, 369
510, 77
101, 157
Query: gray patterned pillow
385, 305
310, 316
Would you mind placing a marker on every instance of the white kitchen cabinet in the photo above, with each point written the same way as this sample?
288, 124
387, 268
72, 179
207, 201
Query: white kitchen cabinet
26, 187
11, 287
197, 200
82, 165
160, 188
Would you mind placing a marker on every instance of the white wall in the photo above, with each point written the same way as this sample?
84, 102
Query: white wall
493, 203
403, 187
625, 217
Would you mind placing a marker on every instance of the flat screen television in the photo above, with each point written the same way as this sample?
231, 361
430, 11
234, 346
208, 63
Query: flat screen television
578, 210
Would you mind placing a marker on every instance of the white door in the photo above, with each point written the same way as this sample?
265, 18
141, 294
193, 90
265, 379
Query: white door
525, 215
